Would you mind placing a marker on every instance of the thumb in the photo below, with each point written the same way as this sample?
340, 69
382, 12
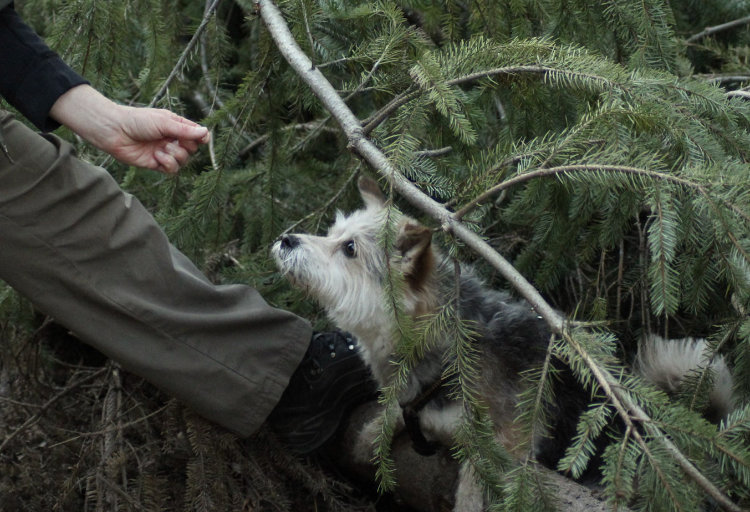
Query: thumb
176, 127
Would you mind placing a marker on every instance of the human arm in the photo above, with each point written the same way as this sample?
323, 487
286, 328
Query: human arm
46, 91
32, 76
144, 137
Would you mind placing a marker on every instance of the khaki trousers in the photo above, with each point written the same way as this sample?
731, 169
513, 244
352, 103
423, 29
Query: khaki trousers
90, 255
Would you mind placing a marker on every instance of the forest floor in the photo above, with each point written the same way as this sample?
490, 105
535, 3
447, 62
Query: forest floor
77, 433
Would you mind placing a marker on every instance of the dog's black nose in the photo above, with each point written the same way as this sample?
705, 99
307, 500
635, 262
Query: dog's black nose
289, 241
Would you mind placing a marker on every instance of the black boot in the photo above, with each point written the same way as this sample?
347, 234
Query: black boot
330, 380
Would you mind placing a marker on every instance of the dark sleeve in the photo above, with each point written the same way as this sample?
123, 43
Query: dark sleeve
32, 76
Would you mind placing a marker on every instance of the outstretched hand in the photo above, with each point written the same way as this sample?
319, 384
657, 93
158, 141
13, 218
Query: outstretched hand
154, 138
144, 137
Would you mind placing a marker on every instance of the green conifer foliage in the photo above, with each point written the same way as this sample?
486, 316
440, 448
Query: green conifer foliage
602, 147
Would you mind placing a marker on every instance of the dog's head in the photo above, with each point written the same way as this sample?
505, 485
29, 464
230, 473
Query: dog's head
345, 271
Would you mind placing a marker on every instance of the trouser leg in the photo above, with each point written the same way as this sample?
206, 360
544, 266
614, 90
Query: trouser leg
90, 255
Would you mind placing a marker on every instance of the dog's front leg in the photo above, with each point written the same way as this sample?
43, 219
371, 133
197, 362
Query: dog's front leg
363, 446
469, 494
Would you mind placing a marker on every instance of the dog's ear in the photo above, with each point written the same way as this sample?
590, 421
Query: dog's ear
371, 194
414, 245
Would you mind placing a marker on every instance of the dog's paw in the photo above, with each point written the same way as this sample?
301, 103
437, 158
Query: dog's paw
469, 495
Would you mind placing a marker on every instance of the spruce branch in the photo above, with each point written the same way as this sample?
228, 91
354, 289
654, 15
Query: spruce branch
312, 126
208, 13
718, 28
333, 200
537, 408
197, 36
618, 477
119, 427
310, 40
626, 406
630, 412
412, 92
591, 167
706, 372
718, 443
107, 467
212, 88
381, 115
102, 480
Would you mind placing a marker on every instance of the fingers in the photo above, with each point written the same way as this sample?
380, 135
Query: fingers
184, 130
157, 139
189, 145
166, 163
187, 136
172, 156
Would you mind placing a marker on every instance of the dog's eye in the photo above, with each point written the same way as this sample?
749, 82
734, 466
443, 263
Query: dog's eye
350, 250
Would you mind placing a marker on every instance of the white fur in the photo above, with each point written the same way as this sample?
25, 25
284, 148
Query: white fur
666, 362
348, 288
469, 495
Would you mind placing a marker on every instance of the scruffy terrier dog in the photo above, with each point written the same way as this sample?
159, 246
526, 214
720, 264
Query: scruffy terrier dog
345, 272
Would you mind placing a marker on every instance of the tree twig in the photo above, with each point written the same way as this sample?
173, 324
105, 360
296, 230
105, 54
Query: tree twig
739, 94
358, 142
592, 167
208, 13
212, 89
104, 431
311, 126
49, 403
432, 153
718, 28
333, 200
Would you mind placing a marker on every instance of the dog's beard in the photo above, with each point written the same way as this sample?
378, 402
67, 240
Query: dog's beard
296, 267
296, 281
289, 265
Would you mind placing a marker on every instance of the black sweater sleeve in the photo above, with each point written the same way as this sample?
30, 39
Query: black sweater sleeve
32, 76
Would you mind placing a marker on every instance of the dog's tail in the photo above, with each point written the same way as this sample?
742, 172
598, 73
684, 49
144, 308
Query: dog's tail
668, 362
